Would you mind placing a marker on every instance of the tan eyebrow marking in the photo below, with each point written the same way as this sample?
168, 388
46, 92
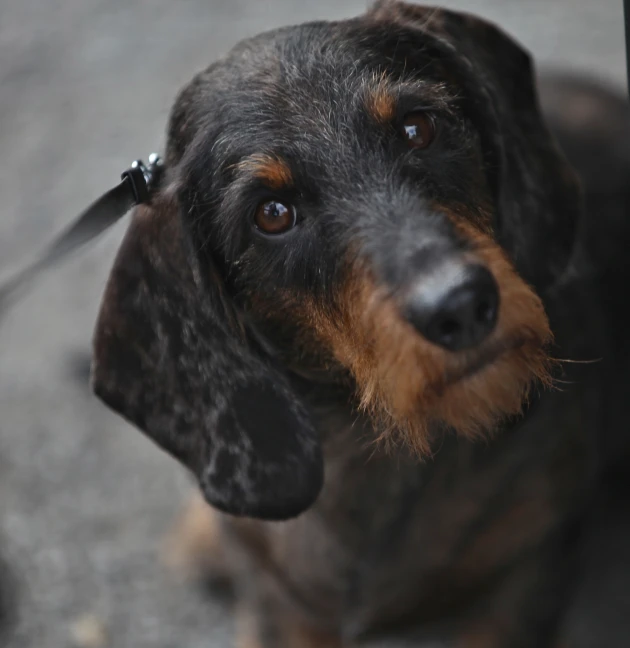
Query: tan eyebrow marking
380, 101
272, 170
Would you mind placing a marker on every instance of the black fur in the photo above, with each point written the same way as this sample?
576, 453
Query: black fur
482, 539
299, 94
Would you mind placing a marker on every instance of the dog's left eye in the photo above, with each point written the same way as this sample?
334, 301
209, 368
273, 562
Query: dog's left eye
273, 217
419, 129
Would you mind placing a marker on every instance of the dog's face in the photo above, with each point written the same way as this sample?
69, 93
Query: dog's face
375, 201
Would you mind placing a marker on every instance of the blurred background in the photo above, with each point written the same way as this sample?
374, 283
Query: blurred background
85, 87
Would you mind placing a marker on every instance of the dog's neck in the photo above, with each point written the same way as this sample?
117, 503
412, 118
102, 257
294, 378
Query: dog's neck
342, 426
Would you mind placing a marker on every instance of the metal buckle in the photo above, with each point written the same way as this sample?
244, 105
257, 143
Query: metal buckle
143, 179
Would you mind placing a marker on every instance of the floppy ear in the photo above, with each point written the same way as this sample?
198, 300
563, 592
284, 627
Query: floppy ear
170, 356
538, 196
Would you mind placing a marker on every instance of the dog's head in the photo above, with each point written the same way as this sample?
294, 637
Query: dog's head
376, 201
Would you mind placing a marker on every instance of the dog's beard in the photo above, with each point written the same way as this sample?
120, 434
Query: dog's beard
411, 387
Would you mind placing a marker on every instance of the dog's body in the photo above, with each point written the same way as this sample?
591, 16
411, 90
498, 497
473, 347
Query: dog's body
476, 542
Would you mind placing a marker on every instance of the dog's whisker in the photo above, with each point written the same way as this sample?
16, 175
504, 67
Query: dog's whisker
571, 361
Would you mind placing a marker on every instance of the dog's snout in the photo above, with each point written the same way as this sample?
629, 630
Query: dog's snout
455, 307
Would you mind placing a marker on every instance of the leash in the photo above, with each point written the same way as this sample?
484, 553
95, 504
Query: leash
626, 13
136, 187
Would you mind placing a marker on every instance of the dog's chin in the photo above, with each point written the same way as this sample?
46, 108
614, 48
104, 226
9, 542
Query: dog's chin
474, 394
470, 394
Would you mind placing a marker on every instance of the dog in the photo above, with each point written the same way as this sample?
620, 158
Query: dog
368, 310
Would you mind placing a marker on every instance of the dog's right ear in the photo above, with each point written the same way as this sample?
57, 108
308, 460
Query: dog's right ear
170, 356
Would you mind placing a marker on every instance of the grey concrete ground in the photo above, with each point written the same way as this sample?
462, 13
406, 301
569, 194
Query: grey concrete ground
85, 86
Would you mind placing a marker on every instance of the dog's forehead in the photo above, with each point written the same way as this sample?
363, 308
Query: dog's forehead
317, 57
301, 80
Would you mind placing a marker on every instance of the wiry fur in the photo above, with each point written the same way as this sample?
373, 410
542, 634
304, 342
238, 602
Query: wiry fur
271, 366
412, 385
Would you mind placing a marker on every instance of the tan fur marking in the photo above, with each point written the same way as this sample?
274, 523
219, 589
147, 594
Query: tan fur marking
271, 170
408, 383
380, 102
194, 549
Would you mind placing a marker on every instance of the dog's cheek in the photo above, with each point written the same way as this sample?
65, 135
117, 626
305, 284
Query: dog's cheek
288, 320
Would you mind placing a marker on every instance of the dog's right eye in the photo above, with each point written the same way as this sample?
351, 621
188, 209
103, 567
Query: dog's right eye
273, 217
419, 129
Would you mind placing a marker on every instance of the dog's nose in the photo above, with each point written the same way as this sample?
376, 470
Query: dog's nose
455, 307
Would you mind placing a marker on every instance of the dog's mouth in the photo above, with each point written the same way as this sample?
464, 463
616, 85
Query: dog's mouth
466, 365
473, 363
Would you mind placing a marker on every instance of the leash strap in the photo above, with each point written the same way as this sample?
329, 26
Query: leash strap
137, 185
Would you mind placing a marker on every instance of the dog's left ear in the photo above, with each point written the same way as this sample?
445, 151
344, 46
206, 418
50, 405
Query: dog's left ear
538, 196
